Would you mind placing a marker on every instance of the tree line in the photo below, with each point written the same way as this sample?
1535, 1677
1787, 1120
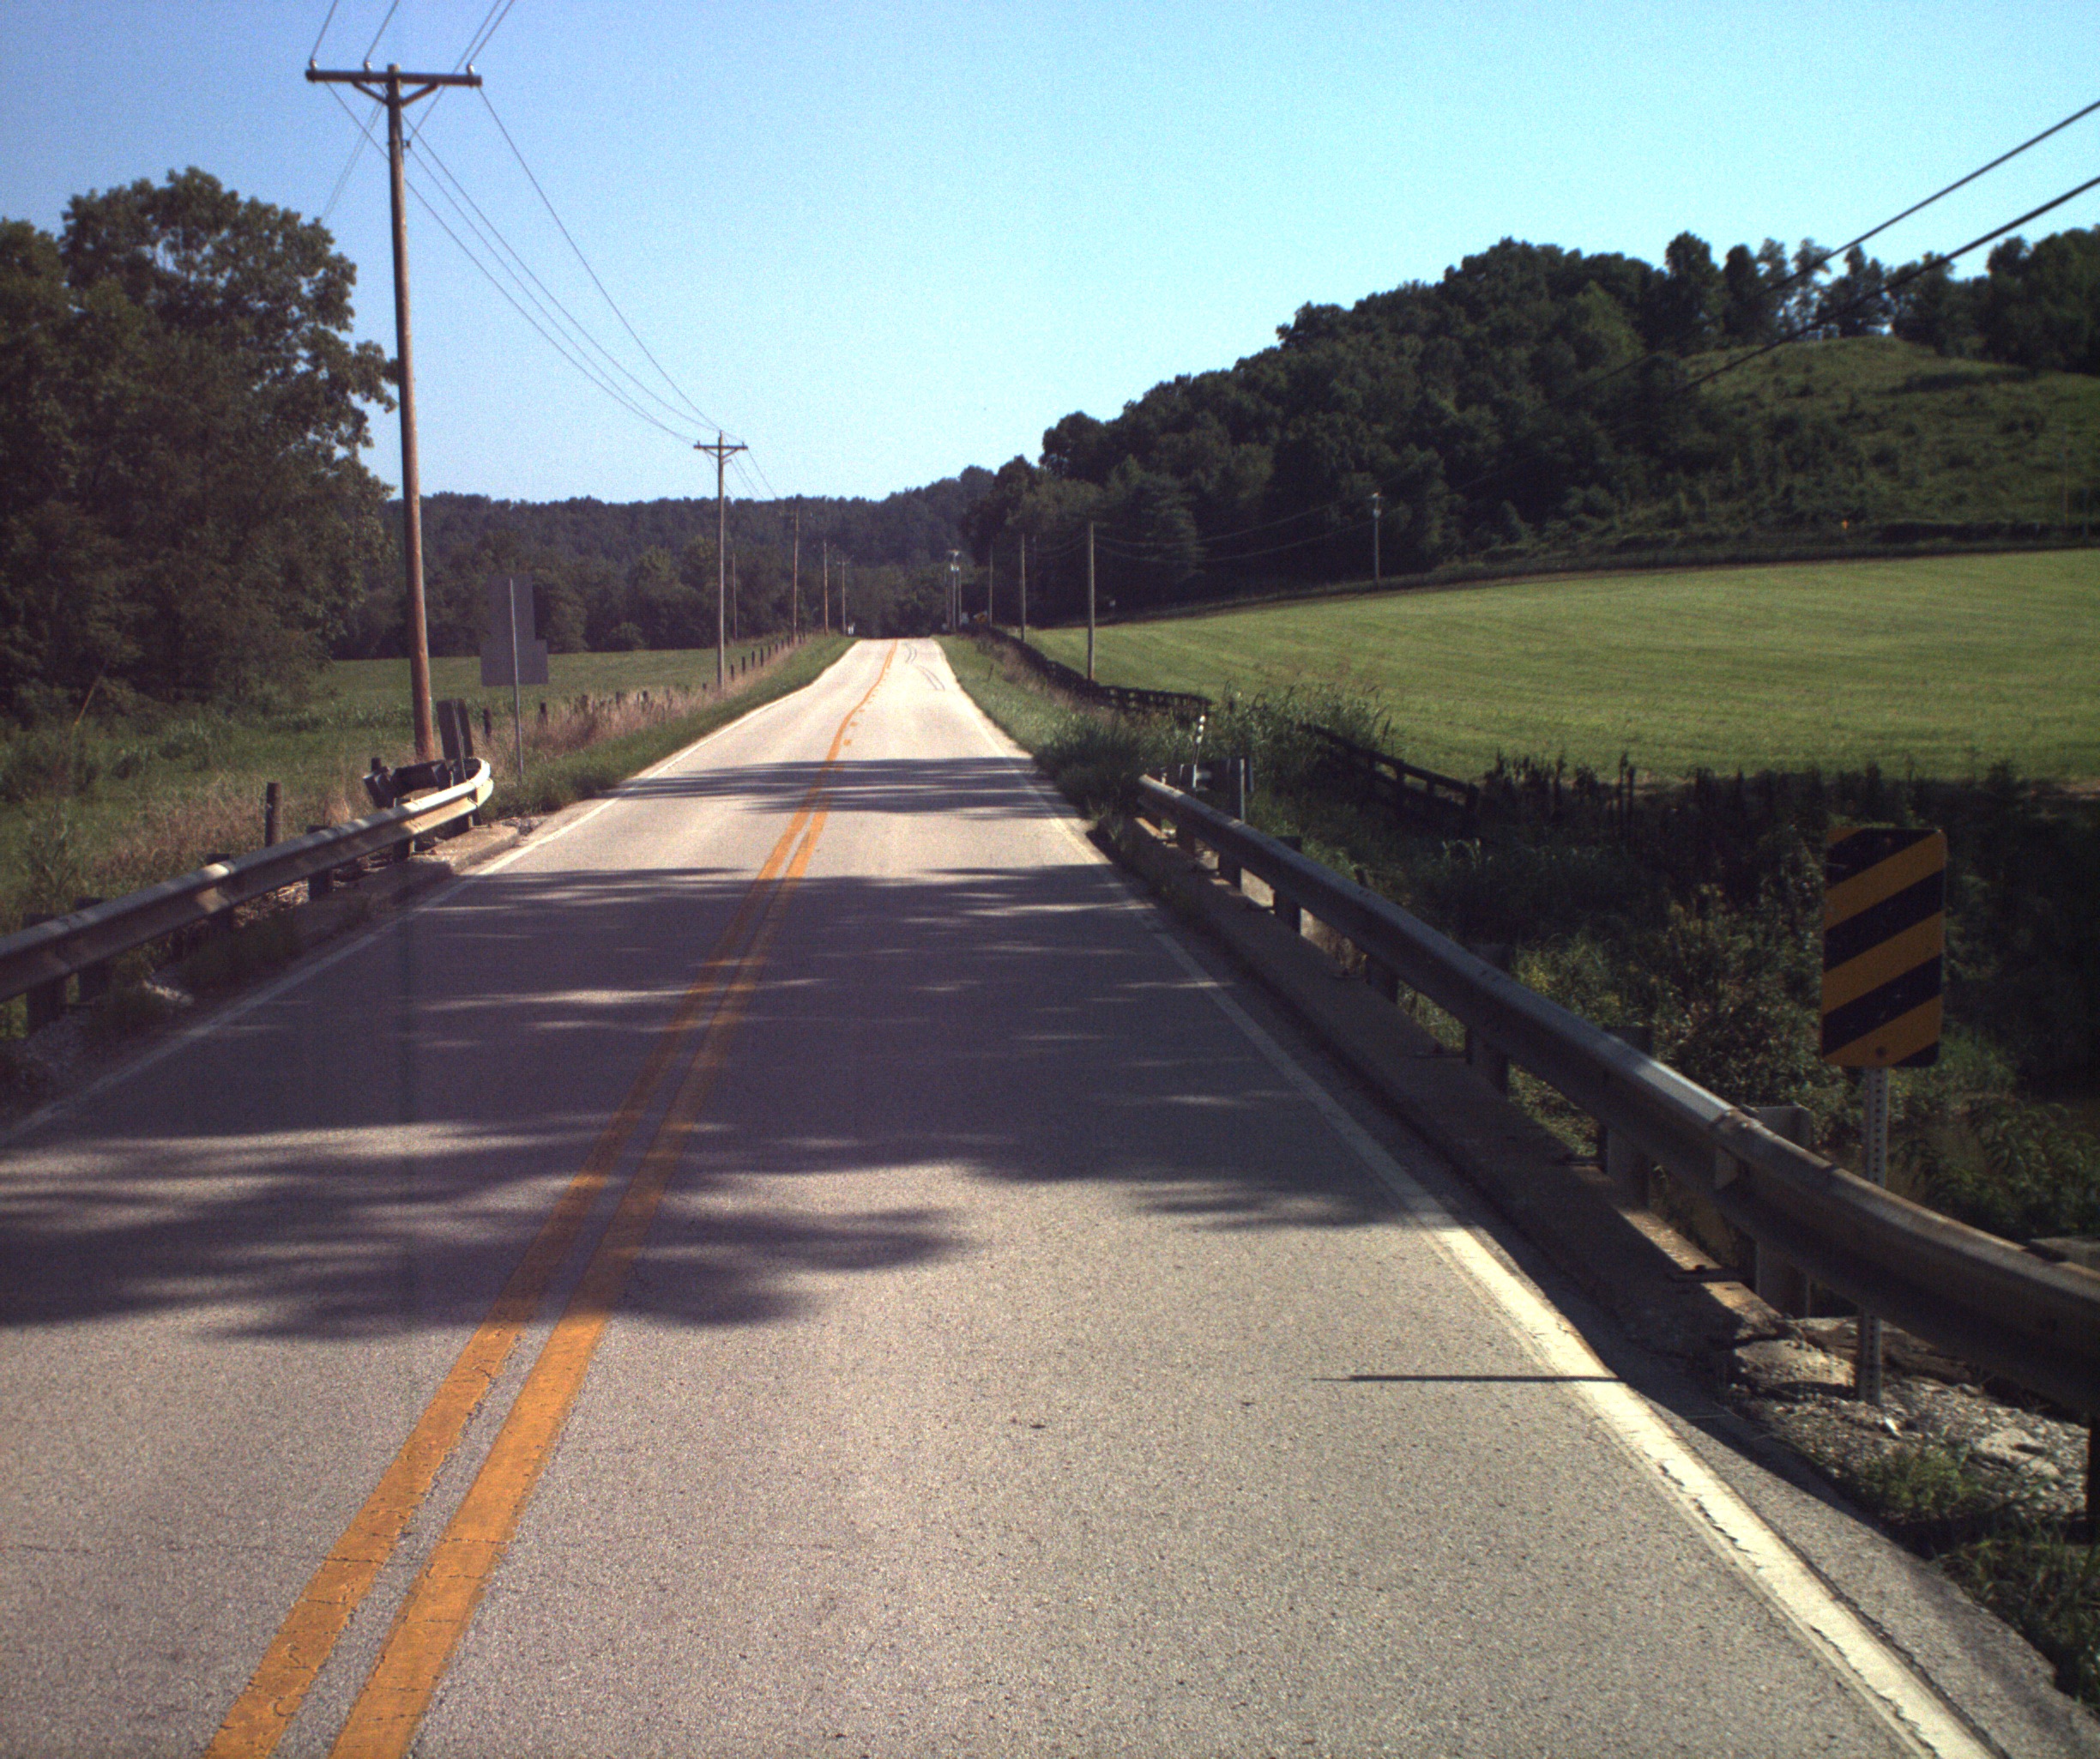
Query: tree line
611, 577
184, 515
1530, 390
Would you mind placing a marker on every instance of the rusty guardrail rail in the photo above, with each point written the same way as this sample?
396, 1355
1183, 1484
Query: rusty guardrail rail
1982, 1298
50, 953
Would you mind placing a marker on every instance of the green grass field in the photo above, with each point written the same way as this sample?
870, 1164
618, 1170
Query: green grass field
143, 801
1946, 665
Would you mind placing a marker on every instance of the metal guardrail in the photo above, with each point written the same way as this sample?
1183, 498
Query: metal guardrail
51, 951
1984, 1299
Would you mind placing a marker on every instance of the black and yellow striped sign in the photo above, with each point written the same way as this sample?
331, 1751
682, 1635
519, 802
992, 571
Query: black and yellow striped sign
1883, 936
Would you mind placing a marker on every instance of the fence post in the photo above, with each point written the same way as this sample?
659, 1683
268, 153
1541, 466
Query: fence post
1779, 1283
1492, 1063
272, 795
1624, 1164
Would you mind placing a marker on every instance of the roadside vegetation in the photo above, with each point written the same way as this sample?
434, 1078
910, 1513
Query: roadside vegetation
1941, 666
1697, 915
111, 803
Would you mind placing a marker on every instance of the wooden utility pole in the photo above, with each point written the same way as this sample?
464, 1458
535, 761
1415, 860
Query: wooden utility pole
721, 448
1025, 586
794, 583
1089, 601
991, 574
827, 586
1377, 512
388, 88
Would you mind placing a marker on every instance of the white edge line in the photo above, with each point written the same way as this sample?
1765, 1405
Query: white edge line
1904, 1704
308, 969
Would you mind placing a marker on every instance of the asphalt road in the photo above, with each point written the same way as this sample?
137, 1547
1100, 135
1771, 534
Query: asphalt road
799, 1260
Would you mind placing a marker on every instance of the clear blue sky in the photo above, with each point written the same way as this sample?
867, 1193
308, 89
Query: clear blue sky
882, 243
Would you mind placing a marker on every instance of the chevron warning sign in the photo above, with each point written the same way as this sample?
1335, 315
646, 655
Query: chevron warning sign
1883, 936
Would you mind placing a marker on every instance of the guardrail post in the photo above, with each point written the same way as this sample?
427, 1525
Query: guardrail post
1624, 1164
1185, 779
1287, 909
1491, 1062
1780, 1284
94, 980
46, 1001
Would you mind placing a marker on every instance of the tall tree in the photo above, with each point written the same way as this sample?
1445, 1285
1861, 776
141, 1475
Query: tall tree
193, 520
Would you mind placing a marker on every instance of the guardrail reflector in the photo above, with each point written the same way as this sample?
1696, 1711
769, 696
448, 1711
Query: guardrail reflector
1883, 934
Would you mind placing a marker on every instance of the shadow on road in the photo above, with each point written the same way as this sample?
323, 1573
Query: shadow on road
374, 1150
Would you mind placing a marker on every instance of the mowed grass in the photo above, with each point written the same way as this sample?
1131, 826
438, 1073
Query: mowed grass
1945, 665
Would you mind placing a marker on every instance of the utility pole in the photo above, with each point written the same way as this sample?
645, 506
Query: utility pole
991, 571
736, 599
1377, 509
952, 555
827, 586
795, 583
1025, 586
722, 450
387, 88
845, 563
1089, 601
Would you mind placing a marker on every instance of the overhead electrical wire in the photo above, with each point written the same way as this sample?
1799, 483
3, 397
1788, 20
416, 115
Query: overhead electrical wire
382, 31
1902, 278
1819, 321
314, 53
581, 364
1831, 256
487, 230
562, 227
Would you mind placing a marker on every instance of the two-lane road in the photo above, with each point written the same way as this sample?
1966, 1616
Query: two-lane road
799, 1260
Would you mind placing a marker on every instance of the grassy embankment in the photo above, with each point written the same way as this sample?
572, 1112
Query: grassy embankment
107, 807
1942, 665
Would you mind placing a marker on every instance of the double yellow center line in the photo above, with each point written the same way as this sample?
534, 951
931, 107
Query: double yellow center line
441, 1601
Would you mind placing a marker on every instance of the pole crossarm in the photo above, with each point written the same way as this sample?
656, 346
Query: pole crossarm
387, 87
721, 448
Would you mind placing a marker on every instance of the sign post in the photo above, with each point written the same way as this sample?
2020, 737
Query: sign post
1884, 937
509, 653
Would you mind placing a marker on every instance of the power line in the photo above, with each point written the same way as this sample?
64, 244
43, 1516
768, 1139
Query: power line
498, 242
315, 54
382, 31
356, 151
1821, 319
1829, 256
585, 261
481, 38
580, 365
1901, 279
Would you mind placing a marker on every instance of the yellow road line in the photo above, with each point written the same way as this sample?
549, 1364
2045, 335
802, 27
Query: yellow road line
260, 1717
441, 1604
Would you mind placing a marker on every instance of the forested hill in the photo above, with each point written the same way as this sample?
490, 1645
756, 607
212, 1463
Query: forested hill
1538, 405
912, 527
1533, 407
